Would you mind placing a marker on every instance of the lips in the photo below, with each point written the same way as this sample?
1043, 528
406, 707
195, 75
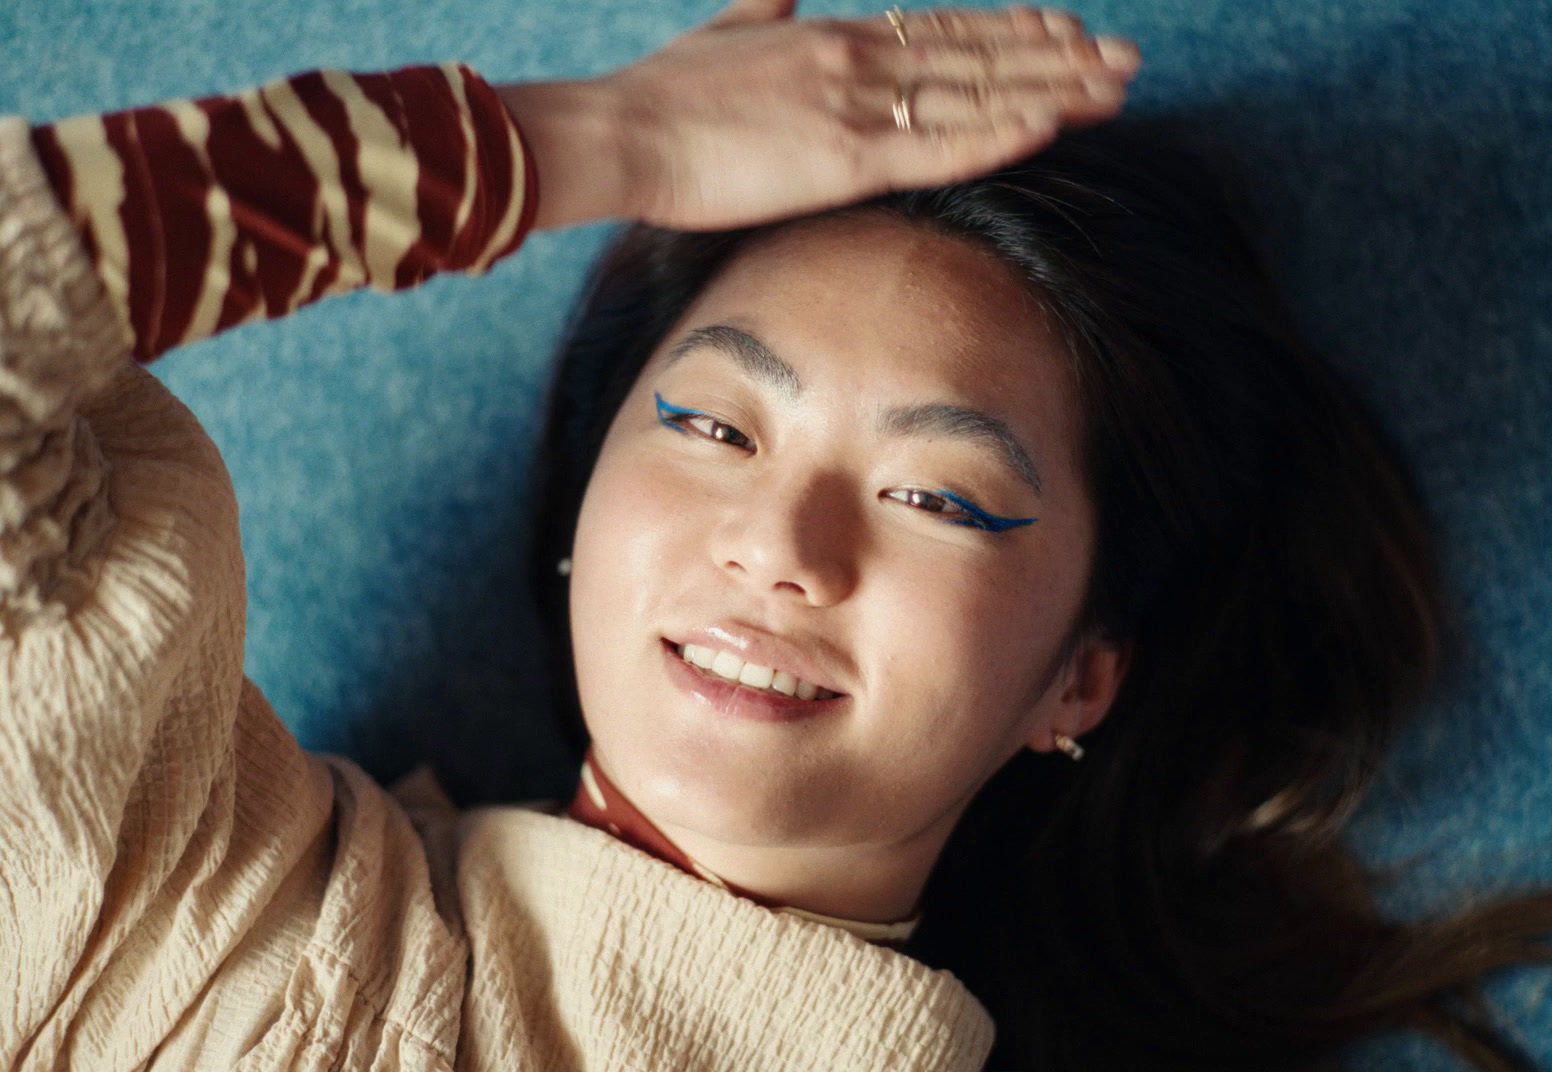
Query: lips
754, 676
730, 699
746, 650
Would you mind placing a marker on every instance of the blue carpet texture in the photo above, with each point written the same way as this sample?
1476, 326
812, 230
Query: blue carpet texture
1400, 158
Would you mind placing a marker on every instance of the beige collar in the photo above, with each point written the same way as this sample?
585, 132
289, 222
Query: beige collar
590, 954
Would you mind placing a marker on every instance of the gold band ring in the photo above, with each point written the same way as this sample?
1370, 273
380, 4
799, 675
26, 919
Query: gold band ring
897, 20
902, 110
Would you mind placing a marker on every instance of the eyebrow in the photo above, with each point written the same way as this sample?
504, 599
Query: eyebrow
941, 420
928, 420
752, 355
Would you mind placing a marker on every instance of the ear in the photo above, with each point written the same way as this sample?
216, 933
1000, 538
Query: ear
1087, 688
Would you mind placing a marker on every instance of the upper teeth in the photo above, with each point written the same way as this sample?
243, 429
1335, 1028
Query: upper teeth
727, 665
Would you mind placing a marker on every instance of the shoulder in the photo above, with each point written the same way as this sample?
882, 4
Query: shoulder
574, 932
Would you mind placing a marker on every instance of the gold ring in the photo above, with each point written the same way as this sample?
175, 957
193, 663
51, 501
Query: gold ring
897, 20
902, 110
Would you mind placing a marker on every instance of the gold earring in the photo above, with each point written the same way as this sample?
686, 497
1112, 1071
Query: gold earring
1067, 746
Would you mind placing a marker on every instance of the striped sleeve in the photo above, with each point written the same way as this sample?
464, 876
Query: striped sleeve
203, 214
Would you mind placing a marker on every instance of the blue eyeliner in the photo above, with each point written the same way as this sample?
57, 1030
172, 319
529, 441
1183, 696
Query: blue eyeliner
667, 414
980, 519
666, 411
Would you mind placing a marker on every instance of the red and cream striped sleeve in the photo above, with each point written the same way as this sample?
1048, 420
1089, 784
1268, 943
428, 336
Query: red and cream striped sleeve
202, 214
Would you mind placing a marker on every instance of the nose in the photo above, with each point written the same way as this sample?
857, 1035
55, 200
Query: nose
799, 538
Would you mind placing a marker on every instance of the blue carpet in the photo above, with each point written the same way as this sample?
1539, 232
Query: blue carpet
1400, 153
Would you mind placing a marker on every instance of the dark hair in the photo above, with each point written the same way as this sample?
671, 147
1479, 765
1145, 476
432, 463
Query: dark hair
1180, 898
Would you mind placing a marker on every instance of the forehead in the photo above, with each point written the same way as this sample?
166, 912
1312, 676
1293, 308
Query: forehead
887, 312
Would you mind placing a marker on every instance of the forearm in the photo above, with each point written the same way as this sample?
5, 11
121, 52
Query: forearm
575, 134
202, 214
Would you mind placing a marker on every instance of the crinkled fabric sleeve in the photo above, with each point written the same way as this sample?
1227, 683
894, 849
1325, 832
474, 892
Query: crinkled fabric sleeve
150, 803
121, 605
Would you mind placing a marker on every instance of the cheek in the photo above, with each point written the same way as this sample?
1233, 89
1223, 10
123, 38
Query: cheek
626, 536
972, 646
977, 613
956, 654
619, 541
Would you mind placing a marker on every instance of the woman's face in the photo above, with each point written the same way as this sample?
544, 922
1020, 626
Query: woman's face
810, 478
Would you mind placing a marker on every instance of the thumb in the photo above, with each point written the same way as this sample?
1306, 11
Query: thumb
742, 11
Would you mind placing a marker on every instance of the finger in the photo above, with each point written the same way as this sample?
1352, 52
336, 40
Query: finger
983, 45
1000, 61
745, 11
1019, 21
958, 107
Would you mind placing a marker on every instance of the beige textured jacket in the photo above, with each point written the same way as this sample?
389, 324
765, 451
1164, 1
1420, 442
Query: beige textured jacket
181, 886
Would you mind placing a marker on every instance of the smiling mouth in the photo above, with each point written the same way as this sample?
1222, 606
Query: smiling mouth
726, 666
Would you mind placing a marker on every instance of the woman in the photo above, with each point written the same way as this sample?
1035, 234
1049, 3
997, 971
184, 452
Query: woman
185, 887
849, 454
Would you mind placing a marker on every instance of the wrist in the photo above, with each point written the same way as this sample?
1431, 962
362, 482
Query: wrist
574, 132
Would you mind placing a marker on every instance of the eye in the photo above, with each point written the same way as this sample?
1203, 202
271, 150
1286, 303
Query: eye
955, 509
694, 422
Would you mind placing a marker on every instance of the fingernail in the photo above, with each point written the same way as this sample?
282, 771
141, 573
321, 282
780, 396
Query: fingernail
1118, 53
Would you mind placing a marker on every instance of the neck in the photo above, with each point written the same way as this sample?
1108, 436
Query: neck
875, 885
867, 883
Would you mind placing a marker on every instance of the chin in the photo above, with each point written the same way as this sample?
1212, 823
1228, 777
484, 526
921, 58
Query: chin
714, 794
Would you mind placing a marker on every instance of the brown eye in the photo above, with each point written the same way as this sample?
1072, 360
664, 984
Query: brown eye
955, 509
694, 422
926, 500
930, 501
717, 430
724, 433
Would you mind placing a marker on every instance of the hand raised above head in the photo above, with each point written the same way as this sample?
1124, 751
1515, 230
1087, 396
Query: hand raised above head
756, 115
